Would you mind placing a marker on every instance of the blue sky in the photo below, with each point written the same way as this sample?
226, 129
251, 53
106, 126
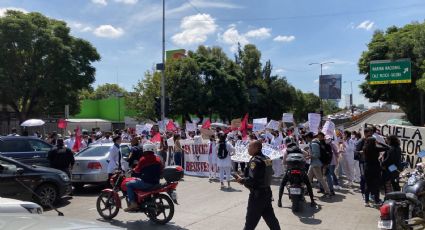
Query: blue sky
292, 34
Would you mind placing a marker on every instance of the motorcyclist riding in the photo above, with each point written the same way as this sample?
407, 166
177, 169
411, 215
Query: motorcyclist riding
292, 147
148, 171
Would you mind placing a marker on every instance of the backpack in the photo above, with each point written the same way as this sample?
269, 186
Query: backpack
222, 151
325, 153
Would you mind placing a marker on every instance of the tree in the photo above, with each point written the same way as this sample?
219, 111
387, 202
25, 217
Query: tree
397, 43
108, 90
42, 67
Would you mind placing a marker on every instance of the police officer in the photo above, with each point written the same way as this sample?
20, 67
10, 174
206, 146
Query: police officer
257, 179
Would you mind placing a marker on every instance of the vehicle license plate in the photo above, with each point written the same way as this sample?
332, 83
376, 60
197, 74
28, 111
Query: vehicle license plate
76, 177
385, 224
295, 191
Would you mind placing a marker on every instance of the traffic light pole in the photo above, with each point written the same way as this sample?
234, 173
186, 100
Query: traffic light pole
163, 64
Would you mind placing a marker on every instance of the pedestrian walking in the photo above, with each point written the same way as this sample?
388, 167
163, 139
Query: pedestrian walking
257, 179
178, 151
212, 158
61, 157
224, 162
115, 157
347, 148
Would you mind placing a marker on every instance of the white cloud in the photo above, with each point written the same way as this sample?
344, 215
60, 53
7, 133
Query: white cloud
127, 2
282, 38
232, 37
280, 70
316, 81
260, 33
196, 29
366, 25
80, 27
3, 10
108, 31
100, 2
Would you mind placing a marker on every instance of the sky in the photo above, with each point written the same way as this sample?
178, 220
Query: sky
292, 34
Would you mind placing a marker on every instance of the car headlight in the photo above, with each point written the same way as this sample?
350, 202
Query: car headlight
64, 177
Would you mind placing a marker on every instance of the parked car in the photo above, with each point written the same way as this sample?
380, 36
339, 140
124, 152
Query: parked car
18, 179
8, 205
28, 150
91, 164
30, 222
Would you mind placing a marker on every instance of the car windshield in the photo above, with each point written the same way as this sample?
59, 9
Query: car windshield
94, 151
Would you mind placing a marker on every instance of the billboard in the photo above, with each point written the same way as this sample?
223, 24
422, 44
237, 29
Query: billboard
330, 86
175, 54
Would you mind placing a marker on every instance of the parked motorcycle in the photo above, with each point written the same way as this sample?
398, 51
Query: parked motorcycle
400, 207
296, 168
157, 203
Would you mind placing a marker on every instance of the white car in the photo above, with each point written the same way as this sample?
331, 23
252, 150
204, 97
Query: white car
91, 164
44, 222
8, 205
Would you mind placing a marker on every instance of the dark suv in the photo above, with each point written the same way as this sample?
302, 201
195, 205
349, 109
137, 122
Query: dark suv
28, 150
17, 180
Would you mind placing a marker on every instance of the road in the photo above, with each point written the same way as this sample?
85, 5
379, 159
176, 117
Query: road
378, 118
204, 206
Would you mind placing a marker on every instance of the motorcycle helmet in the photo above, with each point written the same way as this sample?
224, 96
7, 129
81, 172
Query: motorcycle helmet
149, 147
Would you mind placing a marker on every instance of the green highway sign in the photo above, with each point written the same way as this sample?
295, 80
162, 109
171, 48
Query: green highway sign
390, 72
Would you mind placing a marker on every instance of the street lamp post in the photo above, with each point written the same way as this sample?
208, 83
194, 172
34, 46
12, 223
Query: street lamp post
321, 73
163, 64
351, 95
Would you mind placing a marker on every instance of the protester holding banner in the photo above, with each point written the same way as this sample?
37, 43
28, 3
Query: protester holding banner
224, 162
236, 164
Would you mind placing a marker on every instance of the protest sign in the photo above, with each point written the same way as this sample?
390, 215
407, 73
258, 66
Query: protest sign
162, 125
139, 129
206, 133
314, 122
259, 124
241, 151
329, 128
273, 125
190, 127
195, 157
288, 117
411, 140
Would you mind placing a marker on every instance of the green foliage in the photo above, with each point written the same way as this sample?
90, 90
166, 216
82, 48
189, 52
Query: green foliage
207, 82
398, 43
42, 67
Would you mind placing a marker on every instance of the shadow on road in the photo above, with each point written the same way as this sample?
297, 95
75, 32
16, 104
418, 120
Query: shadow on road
307, 214
139, 224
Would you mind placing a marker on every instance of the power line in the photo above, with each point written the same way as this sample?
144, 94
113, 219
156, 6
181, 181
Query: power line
193, 6
308, 16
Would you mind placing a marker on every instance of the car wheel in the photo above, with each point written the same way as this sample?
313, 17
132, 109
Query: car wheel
47, 195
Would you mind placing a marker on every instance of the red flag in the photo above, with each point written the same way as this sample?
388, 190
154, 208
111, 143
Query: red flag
62, 124
244, 125
207, 124
156, 138
171, 126
77, 143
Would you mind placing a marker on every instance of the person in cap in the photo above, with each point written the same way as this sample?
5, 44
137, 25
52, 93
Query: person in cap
257, 179
315, 169
148, 172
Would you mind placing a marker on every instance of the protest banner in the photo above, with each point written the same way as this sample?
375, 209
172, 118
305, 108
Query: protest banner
273, 125
314, 122
259, 124
139, 129
190, 127
288, 117
411, 140
329, 128
195, 157
241, 151
162, 125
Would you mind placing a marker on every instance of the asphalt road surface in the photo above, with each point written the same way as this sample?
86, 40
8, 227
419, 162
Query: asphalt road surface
203, 205
378, 118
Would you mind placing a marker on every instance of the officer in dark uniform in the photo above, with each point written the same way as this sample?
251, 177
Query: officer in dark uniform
257, 179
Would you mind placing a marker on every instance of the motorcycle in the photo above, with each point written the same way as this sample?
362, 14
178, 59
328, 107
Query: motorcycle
296, 164
400, 207
157, 203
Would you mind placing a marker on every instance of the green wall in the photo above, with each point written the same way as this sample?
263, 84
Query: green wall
112, 109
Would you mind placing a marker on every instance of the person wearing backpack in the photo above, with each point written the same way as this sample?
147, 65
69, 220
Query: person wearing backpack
224, 163
316, 164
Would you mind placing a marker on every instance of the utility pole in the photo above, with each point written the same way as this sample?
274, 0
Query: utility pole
163, 64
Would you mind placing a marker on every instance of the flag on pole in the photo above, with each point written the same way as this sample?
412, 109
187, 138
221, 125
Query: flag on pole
77, 143
244, 125
171, 126
207, 124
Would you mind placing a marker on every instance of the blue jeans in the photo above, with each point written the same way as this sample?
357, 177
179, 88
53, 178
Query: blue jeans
327, 174
178, 158
136, 184
333, 175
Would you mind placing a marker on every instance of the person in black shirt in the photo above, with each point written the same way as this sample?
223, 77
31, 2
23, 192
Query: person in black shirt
392, 157
257, 179
61, 158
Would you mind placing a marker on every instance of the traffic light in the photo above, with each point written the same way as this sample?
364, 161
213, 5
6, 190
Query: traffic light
158, 107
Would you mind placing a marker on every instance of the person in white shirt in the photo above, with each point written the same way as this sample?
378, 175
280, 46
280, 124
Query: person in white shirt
212, 157
69, 143
115, 159
224, 162
347, 148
